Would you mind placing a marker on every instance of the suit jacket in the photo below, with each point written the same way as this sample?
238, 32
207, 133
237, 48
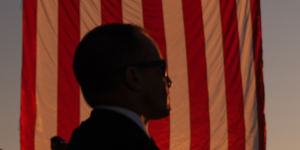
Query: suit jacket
109, 130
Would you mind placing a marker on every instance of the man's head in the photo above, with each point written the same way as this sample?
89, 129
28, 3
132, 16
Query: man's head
119, 64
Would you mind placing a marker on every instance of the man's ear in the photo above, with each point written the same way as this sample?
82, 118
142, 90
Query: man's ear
133, 79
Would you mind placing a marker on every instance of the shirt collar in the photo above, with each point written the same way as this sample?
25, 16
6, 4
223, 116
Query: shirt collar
126, 112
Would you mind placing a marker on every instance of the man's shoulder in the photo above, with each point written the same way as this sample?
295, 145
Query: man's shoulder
106, 128
106, 124
104, 121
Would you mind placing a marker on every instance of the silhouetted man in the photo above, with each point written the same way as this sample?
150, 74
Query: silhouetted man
124, 80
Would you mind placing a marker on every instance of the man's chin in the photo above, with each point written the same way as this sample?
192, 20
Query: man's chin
162, 114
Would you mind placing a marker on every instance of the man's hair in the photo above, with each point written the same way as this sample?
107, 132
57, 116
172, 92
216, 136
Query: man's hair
104, 52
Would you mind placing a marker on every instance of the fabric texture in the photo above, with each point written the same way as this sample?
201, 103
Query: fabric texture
214, 55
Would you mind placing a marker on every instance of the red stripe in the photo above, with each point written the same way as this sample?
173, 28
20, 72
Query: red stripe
28, 98
234, 91
111, 11
260, 93
153, 23
195, 47
68, 89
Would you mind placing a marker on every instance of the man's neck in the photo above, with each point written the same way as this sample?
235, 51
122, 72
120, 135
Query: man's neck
138, 119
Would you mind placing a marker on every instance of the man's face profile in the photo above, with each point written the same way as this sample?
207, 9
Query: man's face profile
120, 65
156, 100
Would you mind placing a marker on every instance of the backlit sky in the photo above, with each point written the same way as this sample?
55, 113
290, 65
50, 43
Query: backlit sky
281, 45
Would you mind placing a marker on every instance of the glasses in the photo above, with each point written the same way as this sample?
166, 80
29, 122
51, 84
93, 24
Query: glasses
159, 63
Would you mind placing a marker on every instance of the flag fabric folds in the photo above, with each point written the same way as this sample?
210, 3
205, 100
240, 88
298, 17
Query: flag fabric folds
214, 54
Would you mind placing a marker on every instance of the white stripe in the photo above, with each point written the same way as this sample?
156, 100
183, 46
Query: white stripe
90, 17
132, 11
46, 73
215, 74
248, 74
180, 136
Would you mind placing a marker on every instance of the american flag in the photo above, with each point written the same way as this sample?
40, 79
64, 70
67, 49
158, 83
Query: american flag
214, 54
